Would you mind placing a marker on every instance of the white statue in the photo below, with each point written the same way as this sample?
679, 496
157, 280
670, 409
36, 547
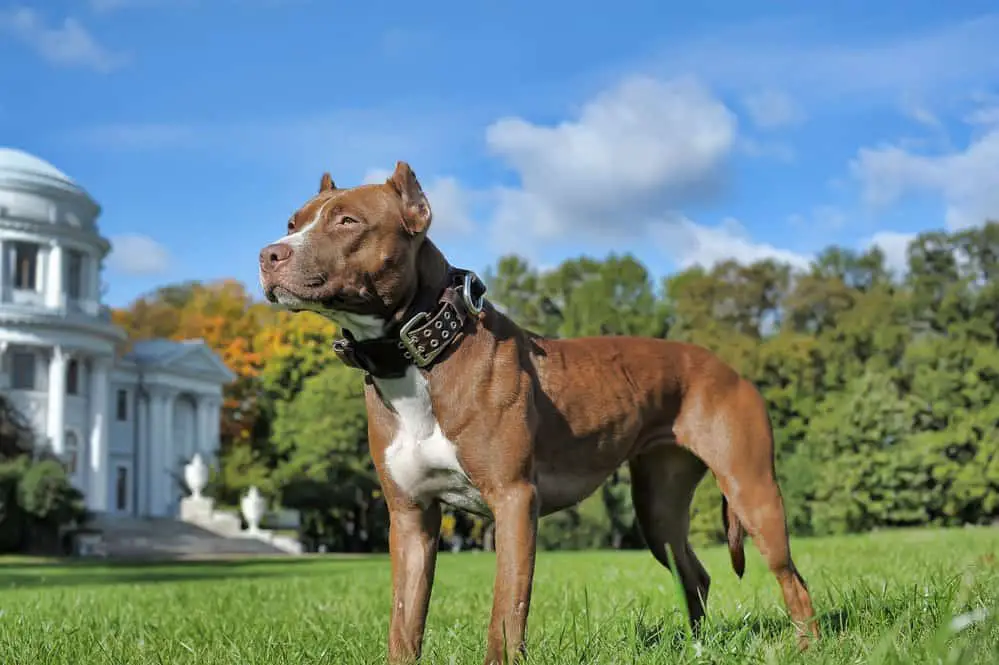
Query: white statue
253, 506
196, 475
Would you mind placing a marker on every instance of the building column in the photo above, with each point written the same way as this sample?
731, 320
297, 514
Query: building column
160, 451
3, 271
210, 444
94, 273
4, 345
56, 409
143, 463
90, 287
167, 468
157, 423
151, 447
54, 278
98, 457
202, 426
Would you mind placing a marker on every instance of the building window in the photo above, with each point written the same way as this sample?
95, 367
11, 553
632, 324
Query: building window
25, 266
72, 443
121, 488
74, 275
122, 405
73, 377
22, 370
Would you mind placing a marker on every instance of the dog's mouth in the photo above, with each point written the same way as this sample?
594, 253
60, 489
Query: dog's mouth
304, 298
314, 297
279, 295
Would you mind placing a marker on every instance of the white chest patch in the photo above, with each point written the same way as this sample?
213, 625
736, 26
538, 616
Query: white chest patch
420, 459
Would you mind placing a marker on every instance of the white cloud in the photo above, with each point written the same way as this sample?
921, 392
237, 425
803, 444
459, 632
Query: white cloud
895, 247
136, 254
986, 116
66, 44
633, 152
450, 205
691, 244
449, 202
618, 172
375, 176
965, 180
770, 109
919, 112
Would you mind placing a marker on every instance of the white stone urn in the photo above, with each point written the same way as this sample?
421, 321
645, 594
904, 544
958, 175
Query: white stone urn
196, 475
253, 506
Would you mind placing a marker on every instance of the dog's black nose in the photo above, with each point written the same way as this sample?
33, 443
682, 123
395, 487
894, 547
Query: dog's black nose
272, 256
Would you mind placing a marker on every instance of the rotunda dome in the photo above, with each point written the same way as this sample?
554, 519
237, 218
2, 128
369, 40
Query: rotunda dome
35, 190
22, 166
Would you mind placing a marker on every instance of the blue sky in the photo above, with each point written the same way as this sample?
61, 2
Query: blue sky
681, 134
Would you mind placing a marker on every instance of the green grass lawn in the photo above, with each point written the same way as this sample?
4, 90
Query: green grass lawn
888, 597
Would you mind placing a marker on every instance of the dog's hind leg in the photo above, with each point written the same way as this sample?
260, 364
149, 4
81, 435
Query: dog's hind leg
736, 442
663, 481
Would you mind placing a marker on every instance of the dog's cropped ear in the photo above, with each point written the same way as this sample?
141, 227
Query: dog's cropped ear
416, 214
326, 183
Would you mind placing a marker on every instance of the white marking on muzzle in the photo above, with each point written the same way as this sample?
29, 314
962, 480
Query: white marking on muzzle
300, 238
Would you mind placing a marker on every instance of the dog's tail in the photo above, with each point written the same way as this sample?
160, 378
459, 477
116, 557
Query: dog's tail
736, 535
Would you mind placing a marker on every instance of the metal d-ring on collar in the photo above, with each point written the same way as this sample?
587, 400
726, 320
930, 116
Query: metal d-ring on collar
473, 306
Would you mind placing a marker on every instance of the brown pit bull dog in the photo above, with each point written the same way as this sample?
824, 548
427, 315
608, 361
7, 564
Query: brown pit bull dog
466, 408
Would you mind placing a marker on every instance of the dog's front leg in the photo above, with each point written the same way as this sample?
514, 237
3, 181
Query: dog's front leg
413, 537
515, 509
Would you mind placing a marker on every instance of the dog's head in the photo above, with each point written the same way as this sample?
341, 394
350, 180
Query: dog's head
350, 254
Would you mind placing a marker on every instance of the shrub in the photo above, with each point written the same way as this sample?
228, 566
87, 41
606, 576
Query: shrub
37, 499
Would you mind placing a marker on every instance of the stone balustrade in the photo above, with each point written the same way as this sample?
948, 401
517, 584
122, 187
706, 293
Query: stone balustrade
199, 510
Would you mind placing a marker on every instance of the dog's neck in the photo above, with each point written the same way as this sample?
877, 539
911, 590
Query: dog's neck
431, 279
427, 323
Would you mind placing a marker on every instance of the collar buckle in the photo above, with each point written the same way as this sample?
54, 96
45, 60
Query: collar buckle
421, 351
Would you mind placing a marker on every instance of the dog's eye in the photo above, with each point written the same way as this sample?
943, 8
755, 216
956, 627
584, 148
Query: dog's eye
291, 226
348, 220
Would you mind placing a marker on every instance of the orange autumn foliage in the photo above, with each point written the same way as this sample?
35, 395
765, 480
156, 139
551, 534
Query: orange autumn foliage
248, 334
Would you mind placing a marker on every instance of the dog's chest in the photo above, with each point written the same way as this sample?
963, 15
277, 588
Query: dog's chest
420, 459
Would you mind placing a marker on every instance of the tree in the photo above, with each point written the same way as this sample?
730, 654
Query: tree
326, 472
882, 387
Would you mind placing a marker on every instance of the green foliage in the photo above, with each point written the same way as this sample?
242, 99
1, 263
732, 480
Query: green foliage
13, 519
586, 526
882, 387
322, 437
47, 496
242, 467
37, 498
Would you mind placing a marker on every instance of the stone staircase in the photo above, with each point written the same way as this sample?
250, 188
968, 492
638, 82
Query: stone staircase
199, 511
164, 538
199, 530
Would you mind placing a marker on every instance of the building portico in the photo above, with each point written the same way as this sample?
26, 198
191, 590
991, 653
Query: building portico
170, 393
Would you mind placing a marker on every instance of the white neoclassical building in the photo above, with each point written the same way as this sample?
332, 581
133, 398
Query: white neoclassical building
125, 423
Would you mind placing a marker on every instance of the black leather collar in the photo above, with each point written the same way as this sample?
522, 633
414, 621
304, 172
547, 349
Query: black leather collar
427, 331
